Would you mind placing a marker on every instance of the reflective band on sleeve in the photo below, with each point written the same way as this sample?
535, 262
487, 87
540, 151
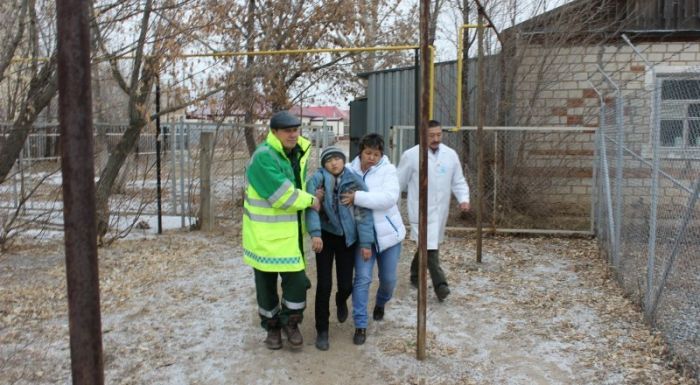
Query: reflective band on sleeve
257, 202
269, 313
294, 305
291, 200
270, 218
279, 192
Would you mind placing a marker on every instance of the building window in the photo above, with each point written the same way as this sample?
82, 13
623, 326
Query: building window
680, 112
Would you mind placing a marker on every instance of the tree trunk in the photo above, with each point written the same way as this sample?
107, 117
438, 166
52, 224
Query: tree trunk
250, 131
41, 89
109, 174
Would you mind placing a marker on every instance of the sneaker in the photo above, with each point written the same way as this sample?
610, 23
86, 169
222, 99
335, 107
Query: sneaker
359, 337
442, 291
322, 341
342, 311
274, 337
378, 313
291, 330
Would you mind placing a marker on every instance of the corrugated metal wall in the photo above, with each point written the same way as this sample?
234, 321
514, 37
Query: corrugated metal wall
391, 95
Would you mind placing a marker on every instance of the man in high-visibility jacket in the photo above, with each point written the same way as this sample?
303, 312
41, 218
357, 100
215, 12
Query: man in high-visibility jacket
273, 213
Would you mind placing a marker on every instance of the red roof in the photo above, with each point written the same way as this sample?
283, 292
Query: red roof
320, 112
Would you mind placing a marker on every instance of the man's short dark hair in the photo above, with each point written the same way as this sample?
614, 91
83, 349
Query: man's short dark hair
433, 123
373, 141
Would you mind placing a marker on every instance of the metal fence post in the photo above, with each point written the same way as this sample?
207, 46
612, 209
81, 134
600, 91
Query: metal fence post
606, 180
655, 141
173, 166
206, 197
188, 141
181, 143
595, 195
618, 167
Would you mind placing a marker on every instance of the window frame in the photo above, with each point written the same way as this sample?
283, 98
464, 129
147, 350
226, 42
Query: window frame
685, 150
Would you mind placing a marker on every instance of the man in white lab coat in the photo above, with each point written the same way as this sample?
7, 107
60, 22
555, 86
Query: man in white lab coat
444, 177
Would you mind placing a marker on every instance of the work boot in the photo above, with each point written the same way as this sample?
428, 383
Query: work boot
342, 311
442, 291
291, 330
274, 335
322, 340
359, 337
378, 313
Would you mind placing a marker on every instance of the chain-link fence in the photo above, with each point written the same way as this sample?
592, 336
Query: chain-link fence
536, 179
647, 215
30, 197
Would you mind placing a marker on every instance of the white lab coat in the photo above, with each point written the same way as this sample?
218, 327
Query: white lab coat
445, 176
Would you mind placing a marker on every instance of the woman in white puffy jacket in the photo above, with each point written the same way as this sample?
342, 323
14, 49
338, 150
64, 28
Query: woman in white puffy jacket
383, 184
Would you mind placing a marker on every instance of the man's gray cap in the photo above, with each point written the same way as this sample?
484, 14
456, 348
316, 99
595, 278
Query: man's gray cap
284, 119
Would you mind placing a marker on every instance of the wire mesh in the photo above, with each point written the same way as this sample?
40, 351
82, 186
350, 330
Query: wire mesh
33, 187
536, 178
652, 201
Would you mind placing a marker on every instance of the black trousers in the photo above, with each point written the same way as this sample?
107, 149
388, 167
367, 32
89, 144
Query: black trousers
436, 273
333, 248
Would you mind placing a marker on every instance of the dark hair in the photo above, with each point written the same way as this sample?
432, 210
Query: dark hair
433, 123
373, 141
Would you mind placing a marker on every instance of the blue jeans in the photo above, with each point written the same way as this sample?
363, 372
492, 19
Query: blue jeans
387, 261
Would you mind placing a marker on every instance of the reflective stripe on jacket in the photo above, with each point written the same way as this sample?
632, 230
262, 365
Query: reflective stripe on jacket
272, 222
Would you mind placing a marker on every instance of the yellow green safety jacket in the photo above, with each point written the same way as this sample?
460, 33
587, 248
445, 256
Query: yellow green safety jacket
273, 208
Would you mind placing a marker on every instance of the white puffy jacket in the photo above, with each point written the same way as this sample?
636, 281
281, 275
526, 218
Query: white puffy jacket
382, 197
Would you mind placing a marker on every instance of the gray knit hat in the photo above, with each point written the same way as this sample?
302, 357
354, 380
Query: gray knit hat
330, 152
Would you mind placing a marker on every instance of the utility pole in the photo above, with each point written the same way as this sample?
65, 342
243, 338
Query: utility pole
423, 178
78, 171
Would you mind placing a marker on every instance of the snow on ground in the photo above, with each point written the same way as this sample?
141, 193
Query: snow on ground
180, 309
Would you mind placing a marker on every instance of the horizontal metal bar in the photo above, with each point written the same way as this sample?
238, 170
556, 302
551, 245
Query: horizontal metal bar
514, 128
646, 162
253, 53
522, 231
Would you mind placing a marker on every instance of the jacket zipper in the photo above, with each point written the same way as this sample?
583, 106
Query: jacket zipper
392, 224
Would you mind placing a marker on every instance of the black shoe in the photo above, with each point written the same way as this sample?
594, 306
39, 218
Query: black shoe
442, 291
342, 311
378, 313
359, 337
322, 341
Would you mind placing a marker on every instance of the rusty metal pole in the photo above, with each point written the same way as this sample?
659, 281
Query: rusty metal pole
423, 179
77, 165
480, 137
159, 191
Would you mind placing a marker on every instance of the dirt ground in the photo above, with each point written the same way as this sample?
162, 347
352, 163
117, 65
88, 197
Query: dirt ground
180, 309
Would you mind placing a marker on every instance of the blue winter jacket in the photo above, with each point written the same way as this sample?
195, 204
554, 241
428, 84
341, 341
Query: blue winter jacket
355, 223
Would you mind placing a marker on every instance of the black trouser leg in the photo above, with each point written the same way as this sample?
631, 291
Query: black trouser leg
324, 282
344, 266
437, 275
414, 268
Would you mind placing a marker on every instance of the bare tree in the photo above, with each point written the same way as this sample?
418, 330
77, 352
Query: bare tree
15, 18
164, 30
34, 94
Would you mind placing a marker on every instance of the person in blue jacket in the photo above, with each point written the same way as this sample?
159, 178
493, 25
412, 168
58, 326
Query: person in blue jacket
336, 231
